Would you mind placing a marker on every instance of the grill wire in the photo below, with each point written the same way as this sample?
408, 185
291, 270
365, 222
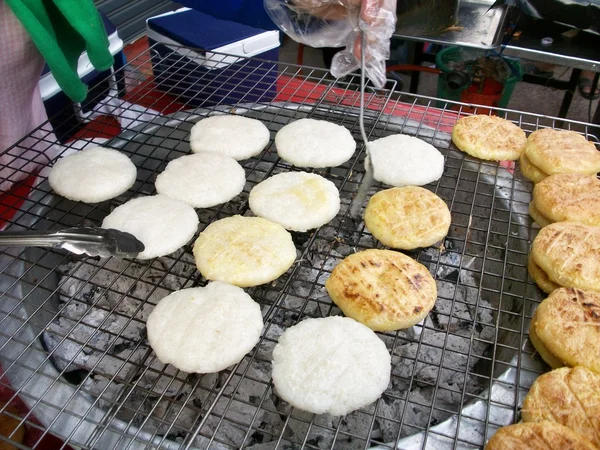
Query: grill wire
94, 381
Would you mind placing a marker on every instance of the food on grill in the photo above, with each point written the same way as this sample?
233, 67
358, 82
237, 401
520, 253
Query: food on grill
537, 216
298, 201
162, 223
202, 180
383, 289
559, 151
530, 171
570, 197
569, 253
565, 329
489, 137
204, 329
538, 436
407, 218
400, 160
244, 251
569, 396
314, 143
540, 277
236, 136
330, 365
92, 175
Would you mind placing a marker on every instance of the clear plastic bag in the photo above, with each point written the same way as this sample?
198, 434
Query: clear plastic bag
339, 23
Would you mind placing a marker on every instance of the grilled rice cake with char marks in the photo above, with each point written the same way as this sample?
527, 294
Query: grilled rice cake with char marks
538, 436
530, 171
489, 137
569, 197
565, 329
569, 396
383, 289
540, 277
569, 253
560, 151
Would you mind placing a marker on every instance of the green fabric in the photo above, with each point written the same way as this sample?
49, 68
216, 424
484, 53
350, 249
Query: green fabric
62, 30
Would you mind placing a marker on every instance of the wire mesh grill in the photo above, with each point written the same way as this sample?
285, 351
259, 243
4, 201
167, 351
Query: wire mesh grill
72, 337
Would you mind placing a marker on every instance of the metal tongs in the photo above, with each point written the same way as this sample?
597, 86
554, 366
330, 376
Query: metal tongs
367, 180
91, 241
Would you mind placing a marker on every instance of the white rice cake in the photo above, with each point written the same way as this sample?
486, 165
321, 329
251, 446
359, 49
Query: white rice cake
401, 160
204, 329
244, 251
236, 136
333, 365
163, 224
298, 201
202, 180
314, 143
92, 175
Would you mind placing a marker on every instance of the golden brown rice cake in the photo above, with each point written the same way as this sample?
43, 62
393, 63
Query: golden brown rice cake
537, 216
530, 171
538, 436
540, 277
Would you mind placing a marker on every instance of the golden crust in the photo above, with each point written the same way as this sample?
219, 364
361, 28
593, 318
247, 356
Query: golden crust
567, 323
569, 396
559, 151
570, 197
383, 289
540, 277
569, 253
537, 216
530, 171
542, 350
489, 137
407, 217
538, 436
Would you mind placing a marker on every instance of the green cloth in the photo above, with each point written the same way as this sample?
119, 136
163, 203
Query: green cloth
62, 30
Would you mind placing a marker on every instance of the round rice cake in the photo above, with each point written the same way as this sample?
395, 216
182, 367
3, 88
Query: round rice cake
560, 151
538, 436
537, 216
235, 136
202, 180
569, 253
244, 251
401, 160
163, 224
314, 143
530, 171
489, 137
383, 289
204, 329
330, 365
92, 175
567, 324
569, 197
569, 396
407, 218
540, 277
298, 201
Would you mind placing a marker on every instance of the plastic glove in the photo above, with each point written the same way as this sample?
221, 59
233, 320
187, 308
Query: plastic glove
337, 23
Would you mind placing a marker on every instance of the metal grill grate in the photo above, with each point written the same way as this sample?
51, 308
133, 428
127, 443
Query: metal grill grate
72, 339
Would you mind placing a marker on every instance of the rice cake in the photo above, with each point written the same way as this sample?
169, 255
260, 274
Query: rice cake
540, 277
244, 251
569, 197
569, 396
537, 216
538, 436
204, 329
383, 289
567, 324
560, 151
569, 253
530, 171
407, 218
202, 180
235, 136
314, 143
331, 365
489, 137
298, 201
92, 175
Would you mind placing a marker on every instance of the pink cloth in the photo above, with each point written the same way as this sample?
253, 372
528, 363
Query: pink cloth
21, 106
